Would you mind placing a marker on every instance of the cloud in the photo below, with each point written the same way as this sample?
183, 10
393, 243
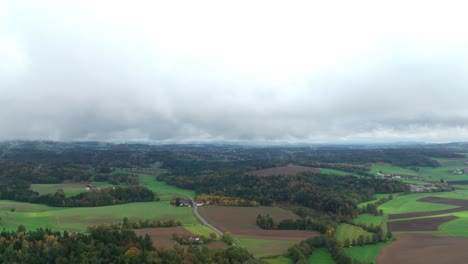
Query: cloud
263, 71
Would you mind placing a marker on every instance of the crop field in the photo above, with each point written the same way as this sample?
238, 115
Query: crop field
241, 222
262, 248
33, 216
162, 237
347, 231
424, 249
165, 191
286, 170
367, 253
322, 256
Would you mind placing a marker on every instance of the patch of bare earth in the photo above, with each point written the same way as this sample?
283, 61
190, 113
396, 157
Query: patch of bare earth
425, 249
423, 224
162, 237
286, 171
241, 222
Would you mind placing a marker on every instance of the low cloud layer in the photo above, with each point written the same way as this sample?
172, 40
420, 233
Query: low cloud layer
238, 72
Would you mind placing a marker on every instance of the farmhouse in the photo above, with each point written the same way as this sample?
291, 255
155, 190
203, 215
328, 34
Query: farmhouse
182, 202
90, 187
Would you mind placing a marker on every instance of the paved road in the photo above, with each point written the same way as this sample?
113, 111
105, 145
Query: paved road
195, 211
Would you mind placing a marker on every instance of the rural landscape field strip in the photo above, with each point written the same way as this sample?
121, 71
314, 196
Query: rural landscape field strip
422, 224
285, 170
462, 206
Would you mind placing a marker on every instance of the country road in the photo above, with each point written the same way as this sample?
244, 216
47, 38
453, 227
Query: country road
202, 220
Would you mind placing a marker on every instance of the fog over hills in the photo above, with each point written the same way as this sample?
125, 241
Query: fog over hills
267, 72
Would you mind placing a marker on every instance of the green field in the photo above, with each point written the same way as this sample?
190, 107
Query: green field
278, 260
201, 230
165, 191
457, 227
367, 253
369, 219
263, 248
347, 231
334, 172
430, 174
69, 189
321, 256
77, 219
408, 203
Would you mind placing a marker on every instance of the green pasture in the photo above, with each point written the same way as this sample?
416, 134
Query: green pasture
278, 260
334, 172
347, 231
263, 248
165, 191
457, 227
321, 256
408, 204
77, 219
201, 230
369, 219
367, 253
428, 173
69, 189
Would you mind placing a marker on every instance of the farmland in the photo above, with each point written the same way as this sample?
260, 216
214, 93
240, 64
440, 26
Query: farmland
424, 249
33, 216
285, 170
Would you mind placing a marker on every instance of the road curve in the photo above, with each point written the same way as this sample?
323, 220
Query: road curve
202, 220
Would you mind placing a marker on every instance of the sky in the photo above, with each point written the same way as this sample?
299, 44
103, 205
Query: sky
241, 71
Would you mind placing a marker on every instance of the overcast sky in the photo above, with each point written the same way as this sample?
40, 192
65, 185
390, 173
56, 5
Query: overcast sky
312, 71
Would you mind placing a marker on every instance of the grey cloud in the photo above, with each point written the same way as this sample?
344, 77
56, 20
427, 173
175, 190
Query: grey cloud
86, 80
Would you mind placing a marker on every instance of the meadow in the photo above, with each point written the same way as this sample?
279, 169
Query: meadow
350, 232
367, 253
201, 230
322, 256
33, 216
264, 248
165, 191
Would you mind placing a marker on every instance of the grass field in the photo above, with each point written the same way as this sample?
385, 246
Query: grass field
77, 219
278, 260
369, 219
432, 174
69, 189
408, 203
262, 248
321, 256
201, 230
367, 253
347, 231
457, 227
334, 172
165, 191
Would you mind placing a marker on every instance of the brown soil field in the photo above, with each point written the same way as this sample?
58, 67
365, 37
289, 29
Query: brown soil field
241, 222
424, 249
463, 206
286, 171
162, 237
423, 224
